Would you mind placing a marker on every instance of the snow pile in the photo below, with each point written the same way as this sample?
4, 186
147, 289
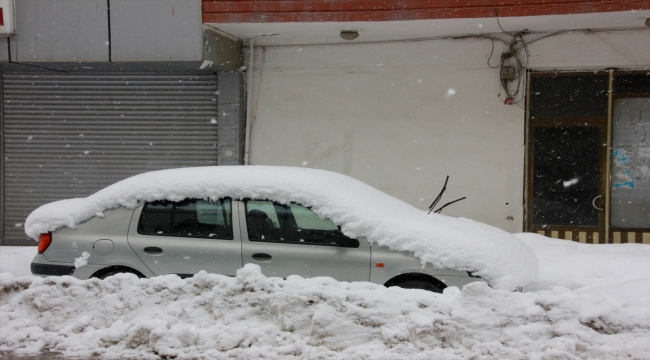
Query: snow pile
614, 270
360, 210
252, 316
17, 259
589, 301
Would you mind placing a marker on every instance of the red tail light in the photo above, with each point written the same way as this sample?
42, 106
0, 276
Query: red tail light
44, 242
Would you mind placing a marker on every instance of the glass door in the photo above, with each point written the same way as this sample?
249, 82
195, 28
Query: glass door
567, 185
630, 171
567, 155
588, 156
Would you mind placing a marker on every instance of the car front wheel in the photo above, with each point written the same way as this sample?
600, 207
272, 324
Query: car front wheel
419, 284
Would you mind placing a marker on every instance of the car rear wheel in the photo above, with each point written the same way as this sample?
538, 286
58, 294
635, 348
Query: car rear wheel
419, 284
118, 270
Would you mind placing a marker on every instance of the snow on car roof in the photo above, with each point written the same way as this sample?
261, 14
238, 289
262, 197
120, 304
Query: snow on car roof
360, 210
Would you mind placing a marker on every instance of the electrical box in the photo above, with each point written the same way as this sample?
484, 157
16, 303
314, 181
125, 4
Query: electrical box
7, 18
508, 73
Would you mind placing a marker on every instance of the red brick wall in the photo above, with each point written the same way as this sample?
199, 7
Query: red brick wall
242, 11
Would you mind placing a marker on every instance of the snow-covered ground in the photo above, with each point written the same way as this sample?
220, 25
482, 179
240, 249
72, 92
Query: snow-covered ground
618, 270
588, 301
17, 259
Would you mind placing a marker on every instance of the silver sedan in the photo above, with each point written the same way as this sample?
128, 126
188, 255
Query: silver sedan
221, 236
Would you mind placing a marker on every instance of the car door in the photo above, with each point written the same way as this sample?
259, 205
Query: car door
188, 236
293, 240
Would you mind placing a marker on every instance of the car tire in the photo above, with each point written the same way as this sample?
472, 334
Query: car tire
419, 284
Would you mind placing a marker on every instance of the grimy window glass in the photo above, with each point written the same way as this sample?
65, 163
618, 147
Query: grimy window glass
632, 83
566, 175
631, 163
565, 96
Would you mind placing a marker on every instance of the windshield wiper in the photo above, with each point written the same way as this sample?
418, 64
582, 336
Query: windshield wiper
439, 197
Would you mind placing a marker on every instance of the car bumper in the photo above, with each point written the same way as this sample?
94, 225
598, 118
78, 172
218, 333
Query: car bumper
51, 269
41, 266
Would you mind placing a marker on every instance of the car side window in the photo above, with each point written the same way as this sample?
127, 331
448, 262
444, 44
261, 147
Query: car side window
189, 218
272, 222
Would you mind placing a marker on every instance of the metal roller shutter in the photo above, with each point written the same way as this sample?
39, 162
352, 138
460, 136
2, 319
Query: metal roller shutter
68, 136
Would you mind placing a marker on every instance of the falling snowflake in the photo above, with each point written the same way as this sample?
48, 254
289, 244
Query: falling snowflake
450, 92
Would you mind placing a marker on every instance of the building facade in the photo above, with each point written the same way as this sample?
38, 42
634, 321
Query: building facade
538, 111
96, 91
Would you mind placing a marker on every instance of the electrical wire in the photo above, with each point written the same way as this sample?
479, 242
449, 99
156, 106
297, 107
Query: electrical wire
490, 57
511, 58
496, 15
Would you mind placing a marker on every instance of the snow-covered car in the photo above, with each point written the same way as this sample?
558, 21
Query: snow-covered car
289, 221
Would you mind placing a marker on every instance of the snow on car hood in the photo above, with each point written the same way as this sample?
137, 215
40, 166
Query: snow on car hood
360, 210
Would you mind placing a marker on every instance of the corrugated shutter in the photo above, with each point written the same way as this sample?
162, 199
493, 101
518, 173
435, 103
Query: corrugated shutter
68, 136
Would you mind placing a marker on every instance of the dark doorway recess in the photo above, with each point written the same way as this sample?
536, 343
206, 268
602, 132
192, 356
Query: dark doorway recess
567, 175
567, 147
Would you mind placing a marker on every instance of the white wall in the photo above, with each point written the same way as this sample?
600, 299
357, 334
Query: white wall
592, 50
384, 113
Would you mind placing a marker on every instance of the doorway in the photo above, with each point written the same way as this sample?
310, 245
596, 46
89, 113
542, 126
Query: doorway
588, 156
567, 179
567, 156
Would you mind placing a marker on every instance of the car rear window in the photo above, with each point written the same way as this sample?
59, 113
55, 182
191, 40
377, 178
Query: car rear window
189, 218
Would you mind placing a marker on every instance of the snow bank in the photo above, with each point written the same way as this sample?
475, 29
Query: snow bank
359, 209
252, 316
617, 270
17, 259
576, 311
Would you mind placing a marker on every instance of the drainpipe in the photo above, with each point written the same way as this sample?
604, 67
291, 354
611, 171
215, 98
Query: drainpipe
249, 101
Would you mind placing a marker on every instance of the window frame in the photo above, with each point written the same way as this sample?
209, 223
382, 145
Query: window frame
606, 232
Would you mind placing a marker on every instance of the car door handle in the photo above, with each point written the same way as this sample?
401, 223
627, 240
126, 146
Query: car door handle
262, 257
152, 250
